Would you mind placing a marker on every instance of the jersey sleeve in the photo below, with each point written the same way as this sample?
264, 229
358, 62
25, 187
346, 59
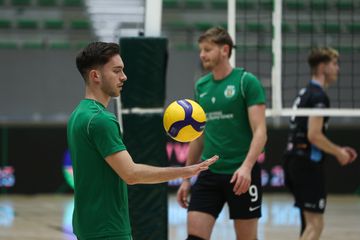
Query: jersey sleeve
196, 94
197, 88
105, 134
252, 90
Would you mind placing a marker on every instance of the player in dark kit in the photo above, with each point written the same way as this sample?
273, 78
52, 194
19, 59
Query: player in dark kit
307, 145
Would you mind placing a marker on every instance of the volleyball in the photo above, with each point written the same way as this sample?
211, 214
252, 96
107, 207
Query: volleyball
184, 120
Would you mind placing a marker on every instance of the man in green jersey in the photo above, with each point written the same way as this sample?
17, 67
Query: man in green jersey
102, 166
234, 102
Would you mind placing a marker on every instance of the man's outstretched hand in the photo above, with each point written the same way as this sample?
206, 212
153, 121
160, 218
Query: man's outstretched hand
204, 165
184, 189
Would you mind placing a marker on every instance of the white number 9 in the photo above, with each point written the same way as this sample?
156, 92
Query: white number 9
253, 191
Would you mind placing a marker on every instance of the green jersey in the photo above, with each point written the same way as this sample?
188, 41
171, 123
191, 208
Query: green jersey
227, 131
100, 195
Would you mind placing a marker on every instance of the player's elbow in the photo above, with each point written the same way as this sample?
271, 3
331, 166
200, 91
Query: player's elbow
130, 178
313, 137
130, 181
265, 137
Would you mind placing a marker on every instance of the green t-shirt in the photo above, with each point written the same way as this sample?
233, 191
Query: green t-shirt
100, 195
227, 130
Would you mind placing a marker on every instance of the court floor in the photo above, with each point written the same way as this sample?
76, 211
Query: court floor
41, 217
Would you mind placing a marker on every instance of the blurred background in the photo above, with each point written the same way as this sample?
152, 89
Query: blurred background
40, 86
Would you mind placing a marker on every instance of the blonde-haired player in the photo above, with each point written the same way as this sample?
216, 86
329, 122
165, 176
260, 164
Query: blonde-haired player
234, 102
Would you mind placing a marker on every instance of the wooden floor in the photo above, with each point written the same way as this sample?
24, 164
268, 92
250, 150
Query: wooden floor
49, 217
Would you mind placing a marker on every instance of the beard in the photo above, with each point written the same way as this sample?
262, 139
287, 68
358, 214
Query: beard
114, 93
211, 64
208, 65
110, 90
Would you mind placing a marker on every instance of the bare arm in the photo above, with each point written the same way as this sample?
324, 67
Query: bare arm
242, 177
195, 150
134, 173
316, 137
258, 127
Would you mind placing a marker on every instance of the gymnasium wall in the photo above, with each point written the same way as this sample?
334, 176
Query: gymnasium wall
38, 85
39, 89
34, 160
43, 86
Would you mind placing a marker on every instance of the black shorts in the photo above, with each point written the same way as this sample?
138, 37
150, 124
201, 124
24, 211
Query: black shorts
212, 190
109, 238
306, 181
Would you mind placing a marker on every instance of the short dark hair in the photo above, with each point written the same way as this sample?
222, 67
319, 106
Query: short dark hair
321, 55
217, 35
95, 54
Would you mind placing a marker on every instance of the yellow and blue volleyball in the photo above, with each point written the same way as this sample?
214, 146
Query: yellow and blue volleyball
184, 120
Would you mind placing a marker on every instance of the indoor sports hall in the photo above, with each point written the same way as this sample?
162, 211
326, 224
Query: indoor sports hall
40, 86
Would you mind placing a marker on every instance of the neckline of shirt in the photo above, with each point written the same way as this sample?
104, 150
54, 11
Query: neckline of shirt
221, 80
95, 102
316, 83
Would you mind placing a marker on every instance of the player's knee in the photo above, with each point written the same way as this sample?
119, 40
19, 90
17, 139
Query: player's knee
192, 237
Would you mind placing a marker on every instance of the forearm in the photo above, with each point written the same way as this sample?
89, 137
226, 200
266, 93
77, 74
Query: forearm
258, 126
256, 147
133, 173
242, 177
324, 144
195, 150
147, 174
316, 136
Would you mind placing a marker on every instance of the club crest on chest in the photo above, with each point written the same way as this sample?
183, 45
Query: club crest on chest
229, 91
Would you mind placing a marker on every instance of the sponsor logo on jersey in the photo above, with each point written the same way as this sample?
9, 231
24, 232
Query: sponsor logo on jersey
218, 115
